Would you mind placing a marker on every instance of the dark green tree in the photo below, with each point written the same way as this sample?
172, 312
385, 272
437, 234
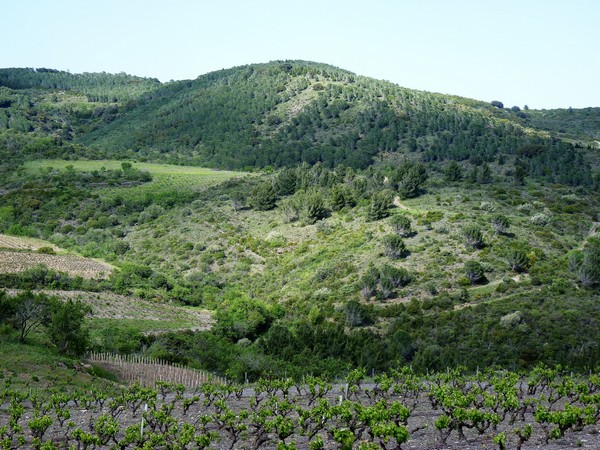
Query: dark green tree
521, 171
485, 175
453, 172
286, 182
337, 198
313, 206
380, 204
411, 178
263, 197
66, 327
589, 271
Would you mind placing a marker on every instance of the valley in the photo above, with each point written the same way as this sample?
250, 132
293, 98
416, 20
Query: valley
289, 220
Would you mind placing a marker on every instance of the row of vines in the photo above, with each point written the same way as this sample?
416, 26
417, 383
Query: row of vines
449, 410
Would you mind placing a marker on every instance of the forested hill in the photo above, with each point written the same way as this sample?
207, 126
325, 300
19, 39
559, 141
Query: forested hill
284, 113
277, 114
97, 87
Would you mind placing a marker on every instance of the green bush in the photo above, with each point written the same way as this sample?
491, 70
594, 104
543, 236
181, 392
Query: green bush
394, 246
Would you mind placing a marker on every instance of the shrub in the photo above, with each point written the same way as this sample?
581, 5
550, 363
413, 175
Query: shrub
500, 223
589, 271
368, 282
472, 236
263, 197
46, 250
401, 225
518, 260
540, 219
394, 246
474, 271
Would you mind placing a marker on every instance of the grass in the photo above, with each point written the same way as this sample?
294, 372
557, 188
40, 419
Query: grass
164, 175
33, 366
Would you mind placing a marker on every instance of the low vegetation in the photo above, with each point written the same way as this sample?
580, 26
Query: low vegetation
367, 226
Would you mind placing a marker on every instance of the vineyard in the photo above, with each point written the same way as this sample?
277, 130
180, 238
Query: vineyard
15, 262
147, 371
23, 243
495, 409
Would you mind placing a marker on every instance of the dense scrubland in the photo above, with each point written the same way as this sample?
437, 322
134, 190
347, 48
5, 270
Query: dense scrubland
343, 223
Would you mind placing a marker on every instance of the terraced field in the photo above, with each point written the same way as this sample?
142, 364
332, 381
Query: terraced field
23, 243
18, 254
15, 262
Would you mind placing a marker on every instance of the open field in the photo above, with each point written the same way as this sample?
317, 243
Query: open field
163, 175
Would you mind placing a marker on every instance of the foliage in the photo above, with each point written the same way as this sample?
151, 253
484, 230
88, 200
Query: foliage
263, 197
500, 223
472, 236
589, 269
379, 206
66, 327
401, 225
394, 246
474, 271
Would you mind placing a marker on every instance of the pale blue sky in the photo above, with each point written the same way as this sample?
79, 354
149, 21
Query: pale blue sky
544, 53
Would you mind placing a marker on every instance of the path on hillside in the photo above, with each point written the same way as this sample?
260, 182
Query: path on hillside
399, 204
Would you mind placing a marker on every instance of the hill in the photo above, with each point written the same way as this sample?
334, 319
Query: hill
285, 113
403, 227
276, 114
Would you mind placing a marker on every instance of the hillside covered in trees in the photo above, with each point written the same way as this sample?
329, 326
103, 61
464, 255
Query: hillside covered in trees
342, 221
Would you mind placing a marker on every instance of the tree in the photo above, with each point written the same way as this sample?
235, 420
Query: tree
589, 271
500, 223
380, 203
411, 178
497, 104
474, 271
286, 182
66, 327
394, 246
313, 206
263, 197
29, 312
453, 171
337, 198
485, 175
521, 171
401, 225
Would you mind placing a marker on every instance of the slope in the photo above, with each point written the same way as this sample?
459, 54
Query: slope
285, 113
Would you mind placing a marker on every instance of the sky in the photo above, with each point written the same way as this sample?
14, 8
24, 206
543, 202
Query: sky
540, 53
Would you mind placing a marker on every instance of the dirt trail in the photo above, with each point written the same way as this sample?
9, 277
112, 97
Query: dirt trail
399, 204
